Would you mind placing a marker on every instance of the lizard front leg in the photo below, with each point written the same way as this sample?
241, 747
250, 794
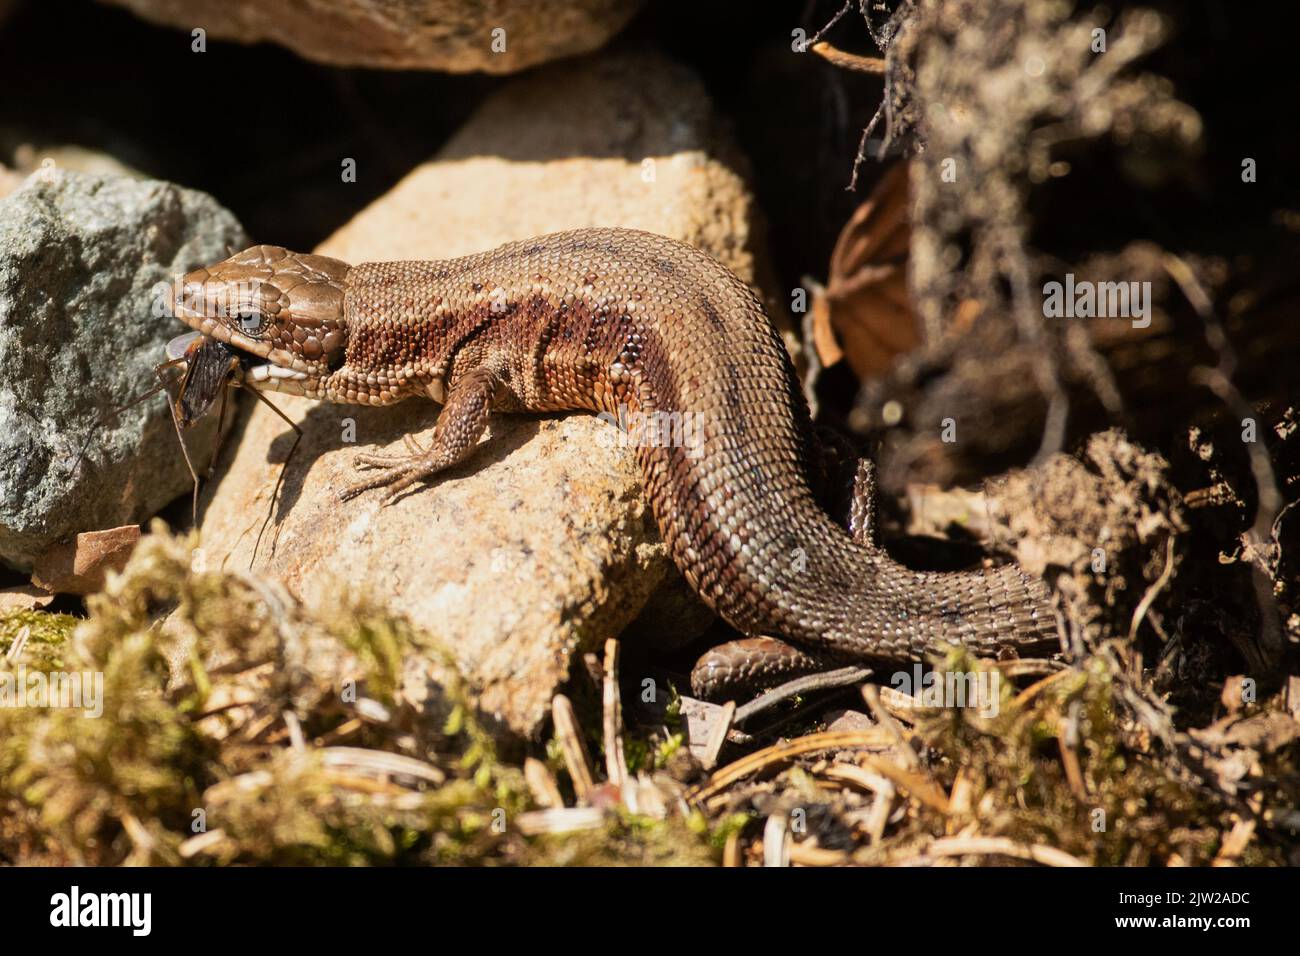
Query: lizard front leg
462, 423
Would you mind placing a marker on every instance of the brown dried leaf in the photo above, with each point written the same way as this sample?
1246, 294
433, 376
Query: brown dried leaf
866, 301
79, 566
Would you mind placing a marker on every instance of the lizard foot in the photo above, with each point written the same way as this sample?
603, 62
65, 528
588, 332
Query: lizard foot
396, 472
463, 420
366, 460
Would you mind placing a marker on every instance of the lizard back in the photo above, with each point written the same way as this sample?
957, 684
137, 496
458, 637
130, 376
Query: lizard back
642, 326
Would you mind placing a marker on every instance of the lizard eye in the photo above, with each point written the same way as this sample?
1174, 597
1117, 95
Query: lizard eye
251, 322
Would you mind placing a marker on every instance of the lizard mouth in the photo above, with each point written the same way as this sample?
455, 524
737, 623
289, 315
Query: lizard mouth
260, 364
210, 364
246, 370
274, 373
275, 365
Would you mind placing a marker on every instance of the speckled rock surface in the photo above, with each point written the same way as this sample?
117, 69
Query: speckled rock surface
540, 545
81, 328
458, 36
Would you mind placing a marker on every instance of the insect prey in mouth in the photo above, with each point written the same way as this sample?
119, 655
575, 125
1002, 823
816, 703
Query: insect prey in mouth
209, 369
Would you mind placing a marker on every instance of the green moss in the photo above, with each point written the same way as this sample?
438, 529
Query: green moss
1132, 811
46, 635
112, 785
208, 677
202, 770
626, 840
721, 830
379, 642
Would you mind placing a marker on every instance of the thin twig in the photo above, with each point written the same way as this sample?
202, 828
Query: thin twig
381, 763
849, 61
1034, 689
615, 761
880, 786
19, 643
816, 37
842, 677
862, 144
576, 759
914, 782
1269, 504
783, 752
872, 697
560, 820
1067, 739
1001, 846
541, 784
1157, 586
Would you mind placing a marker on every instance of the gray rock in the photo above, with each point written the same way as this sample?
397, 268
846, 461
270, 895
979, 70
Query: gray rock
82, 325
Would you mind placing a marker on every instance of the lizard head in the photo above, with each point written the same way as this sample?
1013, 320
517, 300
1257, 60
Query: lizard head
279, 311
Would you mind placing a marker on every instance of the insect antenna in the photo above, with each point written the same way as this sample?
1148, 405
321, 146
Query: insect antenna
113, 413
172, 405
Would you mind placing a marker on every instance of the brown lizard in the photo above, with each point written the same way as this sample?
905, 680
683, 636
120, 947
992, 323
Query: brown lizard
631, 324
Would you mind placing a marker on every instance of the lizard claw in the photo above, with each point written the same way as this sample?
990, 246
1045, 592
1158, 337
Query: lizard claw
350, 492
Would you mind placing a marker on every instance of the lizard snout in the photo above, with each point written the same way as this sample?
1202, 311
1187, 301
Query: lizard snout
284, 308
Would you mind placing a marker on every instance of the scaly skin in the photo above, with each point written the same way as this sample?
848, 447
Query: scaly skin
603, 319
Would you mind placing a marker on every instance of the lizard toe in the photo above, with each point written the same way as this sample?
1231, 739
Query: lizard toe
400, 486
386, 477
367, 461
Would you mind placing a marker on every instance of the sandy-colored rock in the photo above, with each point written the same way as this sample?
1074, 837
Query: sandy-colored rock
23, 598
609, 141
458, 36
541, 544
